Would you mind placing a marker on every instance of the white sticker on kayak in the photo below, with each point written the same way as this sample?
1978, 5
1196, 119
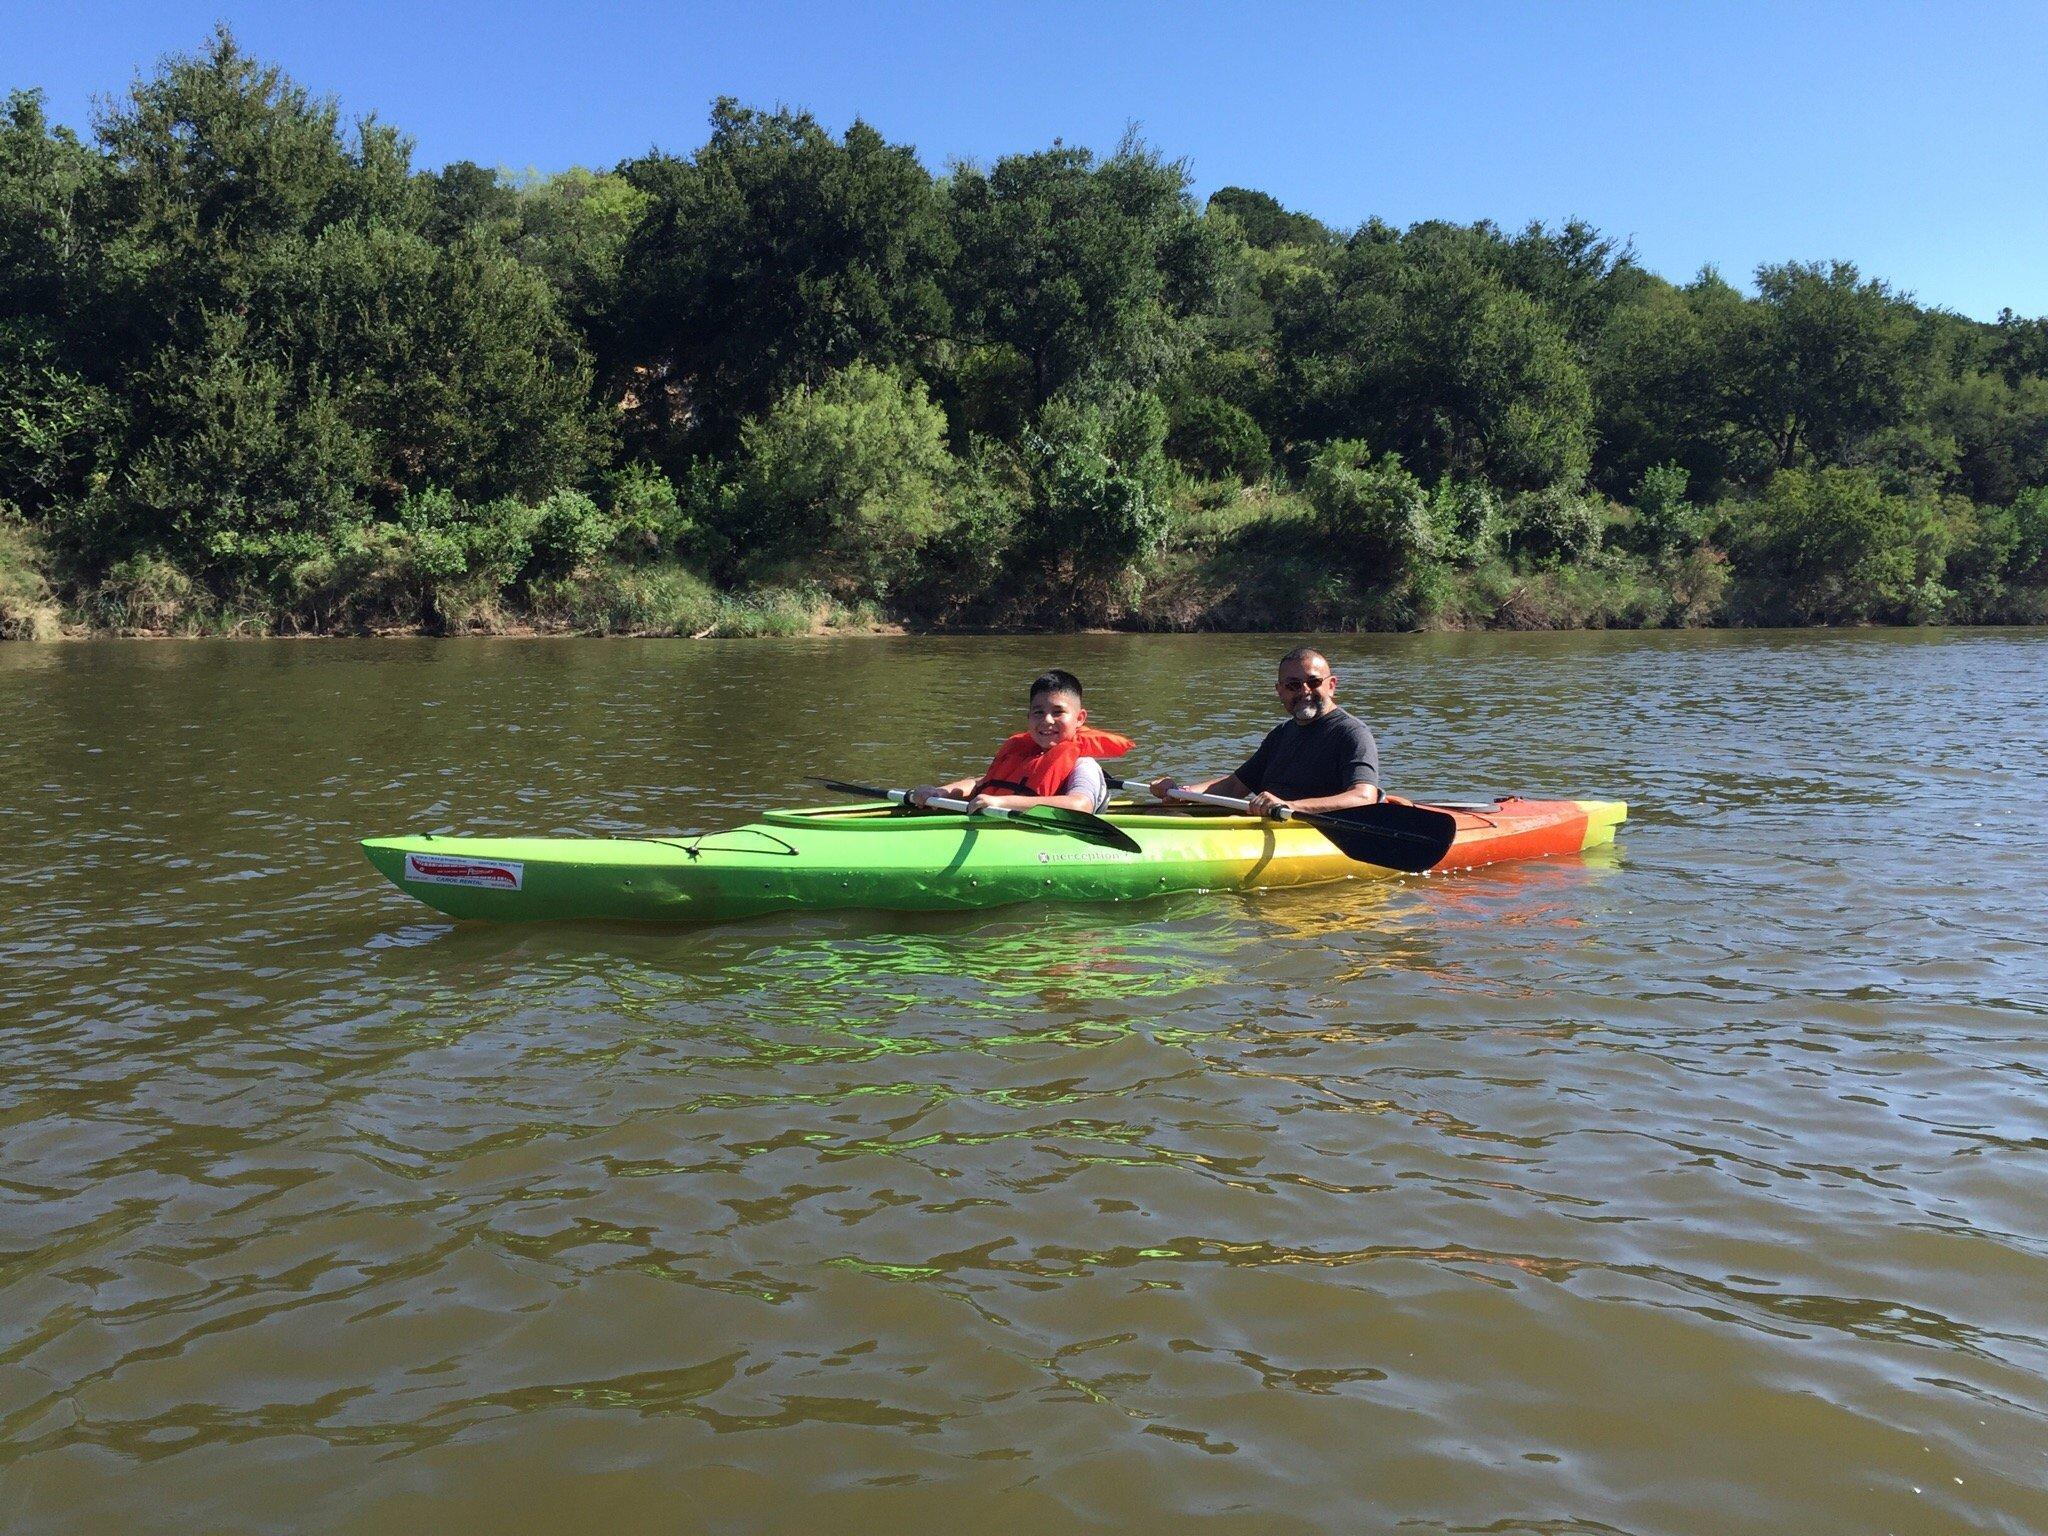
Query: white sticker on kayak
446, 869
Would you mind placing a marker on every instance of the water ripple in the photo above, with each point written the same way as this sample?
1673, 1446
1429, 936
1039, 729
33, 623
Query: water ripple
1693, 1186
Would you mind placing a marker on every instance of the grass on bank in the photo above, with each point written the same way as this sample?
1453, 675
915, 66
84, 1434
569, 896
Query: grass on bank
149, 596
1370, 550
28, 609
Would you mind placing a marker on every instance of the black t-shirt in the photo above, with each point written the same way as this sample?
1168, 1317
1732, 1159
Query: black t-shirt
1305, 762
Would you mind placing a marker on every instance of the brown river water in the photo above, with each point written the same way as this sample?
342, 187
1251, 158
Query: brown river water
1696, 1185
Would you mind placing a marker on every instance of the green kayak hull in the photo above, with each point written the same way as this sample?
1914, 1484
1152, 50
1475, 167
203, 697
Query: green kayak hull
879, 857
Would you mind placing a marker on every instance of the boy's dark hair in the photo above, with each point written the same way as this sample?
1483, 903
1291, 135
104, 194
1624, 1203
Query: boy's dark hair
1054, 680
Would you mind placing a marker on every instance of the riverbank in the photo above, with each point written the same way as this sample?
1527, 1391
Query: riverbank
1188, 594
1362, 547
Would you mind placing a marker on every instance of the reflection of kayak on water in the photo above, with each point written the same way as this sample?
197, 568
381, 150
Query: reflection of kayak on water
883, 857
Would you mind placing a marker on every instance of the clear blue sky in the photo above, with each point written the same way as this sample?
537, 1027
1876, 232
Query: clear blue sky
1906, 138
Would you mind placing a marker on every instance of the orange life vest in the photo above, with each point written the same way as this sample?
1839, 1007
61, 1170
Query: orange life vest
1022, 768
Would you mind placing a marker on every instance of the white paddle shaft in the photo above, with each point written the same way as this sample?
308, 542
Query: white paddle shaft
1203, 797
941, 803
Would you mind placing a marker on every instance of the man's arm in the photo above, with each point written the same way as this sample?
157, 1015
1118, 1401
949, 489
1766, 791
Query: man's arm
1237, 785
1357, 794
1229, 784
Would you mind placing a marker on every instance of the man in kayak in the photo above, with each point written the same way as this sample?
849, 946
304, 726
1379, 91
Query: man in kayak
1320, 758
1051, 763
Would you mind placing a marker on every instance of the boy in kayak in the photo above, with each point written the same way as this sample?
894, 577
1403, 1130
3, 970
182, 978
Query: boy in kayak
1321, 758
1053, 762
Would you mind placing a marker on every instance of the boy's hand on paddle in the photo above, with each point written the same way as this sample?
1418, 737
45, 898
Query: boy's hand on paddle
1162, 789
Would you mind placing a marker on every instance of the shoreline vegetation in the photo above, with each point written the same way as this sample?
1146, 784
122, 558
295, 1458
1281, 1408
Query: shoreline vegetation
258, 375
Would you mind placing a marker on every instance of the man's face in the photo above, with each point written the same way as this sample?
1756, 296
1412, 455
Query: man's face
1055, 717
1307, 688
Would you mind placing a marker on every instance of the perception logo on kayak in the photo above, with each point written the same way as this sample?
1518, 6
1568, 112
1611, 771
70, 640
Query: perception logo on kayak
495, 874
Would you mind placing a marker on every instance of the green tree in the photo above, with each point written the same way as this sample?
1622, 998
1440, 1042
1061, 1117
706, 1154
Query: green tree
292, 351
46, 180
1983, 542
770, 259
1082, 266
1665, 523
1265, 223
1576, 274
2022, 346
1823, 361
1997, 429
2027, 565
1414, 341
250, 465
455, 361
465, 198
574, 227
214, 158
54, 416
1660, 388
1098, 474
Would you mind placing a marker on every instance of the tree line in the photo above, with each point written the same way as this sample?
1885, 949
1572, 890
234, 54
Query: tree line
258, 371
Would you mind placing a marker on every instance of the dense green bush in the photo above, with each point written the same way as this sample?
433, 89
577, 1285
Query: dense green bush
840, 484
1098, 474
1218, 439
1555, 526
447, 539
962, 571
1664, 522
1831, 547
1466, 519
1982, 544
1371, 509
569, 531
2028, 563
648, 520
53, 422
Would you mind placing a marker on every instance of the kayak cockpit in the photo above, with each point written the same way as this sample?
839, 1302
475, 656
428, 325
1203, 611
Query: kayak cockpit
881, 815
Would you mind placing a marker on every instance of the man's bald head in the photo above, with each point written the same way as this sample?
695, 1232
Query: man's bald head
1307, 687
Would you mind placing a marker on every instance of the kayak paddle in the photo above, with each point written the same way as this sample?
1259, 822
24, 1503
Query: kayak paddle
1410, 838
1049, 818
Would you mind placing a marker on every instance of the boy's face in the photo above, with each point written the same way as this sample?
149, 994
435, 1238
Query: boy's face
1055, 716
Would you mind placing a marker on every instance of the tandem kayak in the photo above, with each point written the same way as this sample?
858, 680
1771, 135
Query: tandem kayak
880, 856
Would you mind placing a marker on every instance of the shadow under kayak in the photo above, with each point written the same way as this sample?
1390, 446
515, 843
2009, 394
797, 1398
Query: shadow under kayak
881, 857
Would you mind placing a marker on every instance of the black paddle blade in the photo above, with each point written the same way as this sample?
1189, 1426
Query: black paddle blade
840, 786
1081, 824
1410, 838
